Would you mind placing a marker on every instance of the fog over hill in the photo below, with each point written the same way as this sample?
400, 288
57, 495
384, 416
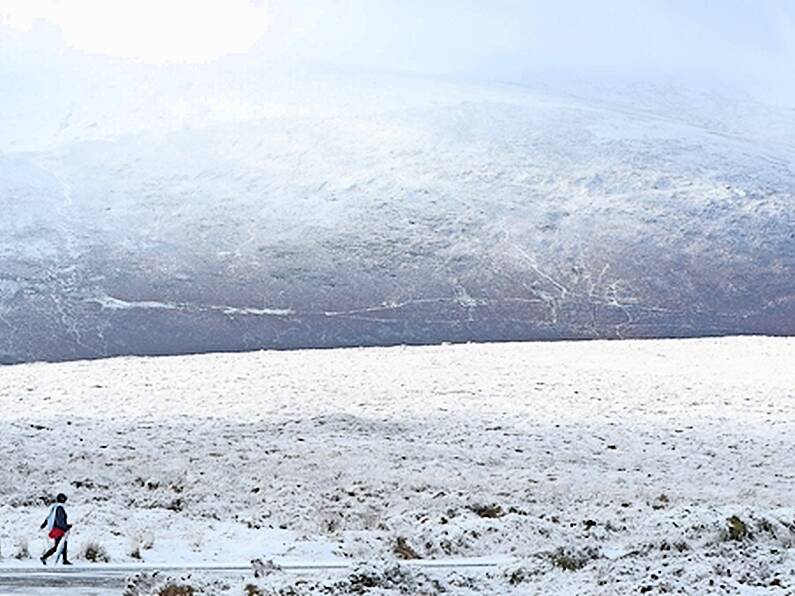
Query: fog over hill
332, 209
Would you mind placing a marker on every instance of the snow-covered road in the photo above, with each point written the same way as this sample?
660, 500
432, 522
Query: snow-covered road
104, 579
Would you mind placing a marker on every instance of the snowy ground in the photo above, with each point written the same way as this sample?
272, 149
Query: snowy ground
600, 467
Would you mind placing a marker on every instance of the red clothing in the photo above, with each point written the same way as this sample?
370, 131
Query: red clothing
56, 533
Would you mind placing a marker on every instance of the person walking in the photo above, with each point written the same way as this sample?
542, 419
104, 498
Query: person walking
58, 528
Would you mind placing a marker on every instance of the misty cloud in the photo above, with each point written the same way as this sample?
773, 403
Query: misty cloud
735, 43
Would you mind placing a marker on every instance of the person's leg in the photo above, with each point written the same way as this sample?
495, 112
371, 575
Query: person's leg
64, 559
50, 552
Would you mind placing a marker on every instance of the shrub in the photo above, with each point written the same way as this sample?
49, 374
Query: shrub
488, 511
153, 584
176, 590
94, 552
140, 542
22, 552
403, 549
737, 528
571, 560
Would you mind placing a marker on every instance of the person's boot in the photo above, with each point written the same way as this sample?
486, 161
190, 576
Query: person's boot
43, 560
64, 559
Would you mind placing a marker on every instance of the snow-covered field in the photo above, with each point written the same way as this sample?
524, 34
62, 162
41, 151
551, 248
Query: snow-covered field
598, 467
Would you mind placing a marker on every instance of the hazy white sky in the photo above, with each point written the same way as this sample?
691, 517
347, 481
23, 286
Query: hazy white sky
154, 31
743, 42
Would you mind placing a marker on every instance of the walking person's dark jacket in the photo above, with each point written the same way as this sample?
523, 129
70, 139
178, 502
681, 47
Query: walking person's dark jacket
60, 521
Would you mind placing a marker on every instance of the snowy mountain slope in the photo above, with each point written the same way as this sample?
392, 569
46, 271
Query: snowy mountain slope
347, 211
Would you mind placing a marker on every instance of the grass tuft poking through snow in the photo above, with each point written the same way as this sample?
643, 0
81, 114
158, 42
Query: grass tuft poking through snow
737, 528
94, 552
573, 560
22, 550
403, 549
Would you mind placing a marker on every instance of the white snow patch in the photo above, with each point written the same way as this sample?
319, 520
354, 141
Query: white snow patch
112, 303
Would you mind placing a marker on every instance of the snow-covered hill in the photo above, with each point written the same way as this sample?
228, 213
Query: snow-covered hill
156, 216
